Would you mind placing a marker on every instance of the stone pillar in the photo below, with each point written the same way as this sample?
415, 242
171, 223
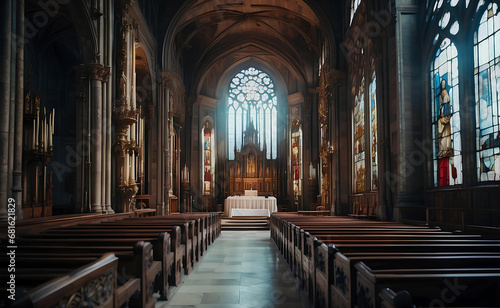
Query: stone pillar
97, 74
409, 179
5, 60
19, 113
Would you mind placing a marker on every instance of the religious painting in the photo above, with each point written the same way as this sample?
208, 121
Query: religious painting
487, 83
447, 149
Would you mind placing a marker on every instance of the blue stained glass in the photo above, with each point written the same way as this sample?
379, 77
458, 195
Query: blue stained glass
486, 57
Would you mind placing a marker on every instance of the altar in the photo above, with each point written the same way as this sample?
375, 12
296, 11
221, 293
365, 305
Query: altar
253, 206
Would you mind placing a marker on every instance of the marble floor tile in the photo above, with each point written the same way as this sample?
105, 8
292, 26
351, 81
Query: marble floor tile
240, 269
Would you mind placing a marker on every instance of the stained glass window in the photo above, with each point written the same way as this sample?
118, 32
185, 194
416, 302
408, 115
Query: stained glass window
487, 83
297, 162
447, 149
252, 101
207, 158
359, 139
373, 130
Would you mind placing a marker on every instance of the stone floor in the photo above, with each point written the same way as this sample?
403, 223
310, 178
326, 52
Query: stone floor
240, 269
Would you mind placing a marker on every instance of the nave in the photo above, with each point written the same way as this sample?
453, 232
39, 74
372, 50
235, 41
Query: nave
241, 269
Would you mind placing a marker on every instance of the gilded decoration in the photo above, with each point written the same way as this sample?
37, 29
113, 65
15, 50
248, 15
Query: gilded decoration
325, 91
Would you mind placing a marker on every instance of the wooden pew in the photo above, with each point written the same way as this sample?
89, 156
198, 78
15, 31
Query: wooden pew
166, 245
136, 258
453, 288
187, 234
349, 231
92, 278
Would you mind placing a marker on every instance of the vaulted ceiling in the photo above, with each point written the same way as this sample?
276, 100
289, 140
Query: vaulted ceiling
209, 36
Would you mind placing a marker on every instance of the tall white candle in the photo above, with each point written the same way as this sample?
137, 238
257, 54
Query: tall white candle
125, 178
132, 130
131, 171
46, 140
53, 116
50, 134
42, 127
140, 131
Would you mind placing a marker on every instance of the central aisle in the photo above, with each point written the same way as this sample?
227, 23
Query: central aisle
240, 269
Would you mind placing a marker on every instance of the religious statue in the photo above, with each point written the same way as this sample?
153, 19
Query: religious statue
444, 126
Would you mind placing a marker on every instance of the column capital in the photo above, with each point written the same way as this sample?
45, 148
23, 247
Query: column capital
93, 71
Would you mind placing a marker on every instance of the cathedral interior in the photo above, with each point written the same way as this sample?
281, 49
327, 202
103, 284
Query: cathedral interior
381, 109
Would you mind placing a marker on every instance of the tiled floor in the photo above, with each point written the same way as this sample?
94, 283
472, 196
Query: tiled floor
240, 269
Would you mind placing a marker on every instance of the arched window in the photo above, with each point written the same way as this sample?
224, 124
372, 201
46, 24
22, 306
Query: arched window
252, 101
297, 163
373, 128
487, 83
447, 149
354, 7
208, 157
359, 139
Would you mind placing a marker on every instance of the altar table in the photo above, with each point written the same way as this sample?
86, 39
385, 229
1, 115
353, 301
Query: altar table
249, 202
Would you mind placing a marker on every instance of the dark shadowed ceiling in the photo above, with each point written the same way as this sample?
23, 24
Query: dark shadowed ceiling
287, 34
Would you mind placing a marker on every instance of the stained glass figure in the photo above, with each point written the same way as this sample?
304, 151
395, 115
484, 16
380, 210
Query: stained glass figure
447, 152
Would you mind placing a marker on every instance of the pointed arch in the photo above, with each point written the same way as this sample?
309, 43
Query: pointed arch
445, 115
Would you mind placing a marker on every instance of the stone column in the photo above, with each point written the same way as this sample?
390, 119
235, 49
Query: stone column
18, 138
408, 181
5, 58
107, 184
97, 73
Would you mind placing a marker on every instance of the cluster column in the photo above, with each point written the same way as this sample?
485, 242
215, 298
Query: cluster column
94, 75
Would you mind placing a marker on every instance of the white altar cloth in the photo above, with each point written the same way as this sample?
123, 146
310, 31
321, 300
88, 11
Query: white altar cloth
250, 212
249, 202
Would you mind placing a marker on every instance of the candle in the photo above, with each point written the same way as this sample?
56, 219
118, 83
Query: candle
125, 178
46, 134
33, 144
53, 116
41, 134
36, 127
132, 131
50, 134
131, 171
140, 131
